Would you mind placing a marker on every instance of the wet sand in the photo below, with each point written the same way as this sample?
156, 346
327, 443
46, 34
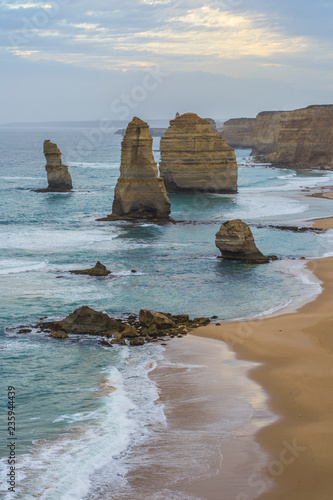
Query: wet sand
213, 411
326, 223
295, 352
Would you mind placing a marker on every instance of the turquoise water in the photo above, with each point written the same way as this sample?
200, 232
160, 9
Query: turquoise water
61, 388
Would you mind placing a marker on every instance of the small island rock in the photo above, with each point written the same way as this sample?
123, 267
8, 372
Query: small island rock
235, 241
58, 176
98, 270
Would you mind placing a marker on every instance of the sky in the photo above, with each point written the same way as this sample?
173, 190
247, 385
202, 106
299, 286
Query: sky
108, 60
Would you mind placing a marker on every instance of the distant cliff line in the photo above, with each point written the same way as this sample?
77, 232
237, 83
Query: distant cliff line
302, 138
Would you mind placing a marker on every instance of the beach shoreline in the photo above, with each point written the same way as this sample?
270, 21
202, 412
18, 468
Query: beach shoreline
295, 356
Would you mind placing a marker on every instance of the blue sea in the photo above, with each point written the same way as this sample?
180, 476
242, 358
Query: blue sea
81, 408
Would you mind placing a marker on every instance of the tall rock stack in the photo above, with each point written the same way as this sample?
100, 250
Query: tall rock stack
196, 159
58, 176
140, 192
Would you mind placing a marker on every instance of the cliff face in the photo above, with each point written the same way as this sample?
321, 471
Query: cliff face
58, 176
238, 132
266, 131
196, 159
139, 192
305, 138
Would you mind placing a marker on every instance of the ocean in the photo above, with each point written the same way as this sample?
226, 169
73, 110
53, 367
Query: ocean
82, 408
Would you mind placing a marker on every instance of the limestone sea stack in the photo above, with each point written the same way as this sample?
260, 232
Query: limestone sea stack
140, 192
58, 176
196, 159
235, 241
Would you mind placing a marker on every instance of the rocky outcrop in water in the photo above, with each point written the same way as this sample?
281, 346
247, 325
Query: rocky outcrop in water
140, 192
238, 132
196, 159
149, 326
98, 270
58, 176
235, 241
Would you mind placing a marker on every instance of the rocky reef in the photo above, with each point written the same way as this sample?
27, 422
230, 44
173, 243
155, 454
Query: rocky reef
238, 132
98, 270
140, 193
149, 326
195, 159
235, 241
59, 179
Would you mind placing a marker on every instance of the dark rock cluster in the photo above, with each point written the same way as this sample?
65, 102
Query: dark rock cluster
149, 326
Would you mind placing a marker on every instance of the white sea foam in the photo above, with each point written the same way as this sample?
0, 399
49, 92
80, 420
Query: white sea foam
111, 165
251, 206
68, 466
13, 266
48, 239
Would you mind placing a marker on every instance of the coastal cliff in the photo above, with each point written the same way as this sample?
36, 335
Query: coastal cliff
58, 177
302, 138
196, 159
305, 138
140, 192
266, 131
238, 132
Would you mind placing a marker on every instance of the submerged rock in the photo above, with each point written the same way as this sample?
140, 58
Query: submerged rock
98, 270
58, 177
137, 341
58, 334
140, 192
235, 241
196, 159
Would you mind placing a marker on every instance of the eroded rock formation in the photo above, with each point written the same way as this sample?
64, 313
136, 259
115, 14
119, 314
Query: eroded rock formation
235, 241
195, 159
58, 176
149, 326
140, 192
98, 270
238, 132
266, 132
305, 138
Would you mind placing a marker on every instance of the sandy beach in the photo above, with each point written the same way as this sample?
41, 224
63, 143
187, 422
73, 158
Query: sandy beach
295, 352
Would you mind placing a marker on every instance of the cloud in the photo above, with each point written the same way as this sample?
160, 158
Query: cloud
168, 32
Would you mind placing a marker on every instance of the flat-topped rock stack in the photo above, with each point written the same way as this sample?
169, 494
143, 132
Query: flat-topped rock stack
140, 192
58, 177
196, 159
